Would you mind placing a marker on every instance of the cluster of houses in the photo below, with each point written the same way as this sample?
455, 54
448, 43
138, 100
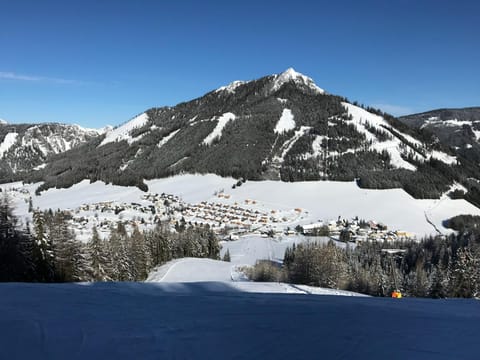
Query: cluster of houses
152, 209
224, 216
355, 230
221, 215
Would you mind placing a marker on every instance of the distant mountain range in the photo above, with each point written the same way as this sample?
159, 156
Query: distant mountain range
26, 147
457, 128
281, 127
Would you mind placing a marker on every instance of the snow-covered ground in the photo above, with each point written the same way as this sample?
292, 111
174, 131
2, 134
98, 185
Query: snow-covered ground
217, 131
317, 200
194, 270
286, 122
215, 321
361, 118
250, 248
7, 143
123, 131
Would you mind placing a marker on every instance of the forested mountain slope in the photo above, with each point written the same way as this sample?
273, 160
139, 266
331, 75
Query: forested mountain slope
281, 127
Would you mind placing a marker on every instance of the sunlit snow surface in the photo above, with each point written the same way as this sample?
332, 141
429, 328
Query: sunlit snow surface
285, 123
217, 131
320, 200
123, 131
215, 321
7, 143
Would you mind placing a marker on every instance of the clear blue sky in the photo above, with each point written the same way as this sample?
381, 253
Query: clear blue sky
98, 62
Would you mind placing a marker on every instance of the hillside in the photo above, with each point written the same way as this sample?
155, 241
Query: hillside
457, 128
26, 147
215, 321
279, 127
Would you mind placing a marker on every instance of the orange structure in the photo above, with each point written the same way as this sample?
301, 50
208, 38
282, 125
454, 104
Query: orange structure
396, 294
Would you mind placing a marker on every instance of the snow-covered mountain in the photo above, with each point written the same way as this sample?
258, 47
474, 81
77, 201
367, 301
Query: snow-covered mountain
279, 127
24, 147
459, 128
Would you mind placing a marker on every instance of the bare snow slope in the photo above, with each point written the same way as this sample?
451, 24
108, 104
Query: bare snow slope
217, 131
192, 270
123, 132
214, 321
250, 248
188, 270
395, 147
285, 123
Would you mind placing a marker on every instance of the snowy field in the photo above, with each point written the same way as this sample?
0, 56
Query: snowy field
191, 270
215, 321
319, 200
250, 248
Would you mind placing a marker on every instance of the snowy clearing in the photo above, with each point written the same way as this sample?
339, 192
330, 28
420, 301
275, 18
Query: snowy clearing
7, 143
167, 138
250, 248
217, 131
395, 147
188, 270
123, 131
215, 321
286, 122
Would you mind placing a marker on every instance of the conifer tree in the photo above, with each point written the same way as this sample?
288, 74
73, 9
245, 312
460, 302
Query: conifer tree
226, 256
97, 258
42, 250
16, 248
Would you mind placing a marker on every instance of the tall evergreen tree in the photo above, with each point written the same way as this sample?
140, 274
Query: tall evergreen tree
97, 258
43, 255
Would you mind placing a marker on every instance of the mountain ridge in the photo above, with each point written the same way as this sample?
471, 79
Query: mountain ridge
278, 127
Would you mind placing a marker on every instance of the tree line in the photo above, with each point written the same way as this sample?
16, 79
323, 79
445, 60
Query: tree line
51, 252
436, 267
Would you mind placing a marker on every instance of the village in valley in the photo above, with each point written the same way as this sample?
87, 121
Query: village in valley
227, 216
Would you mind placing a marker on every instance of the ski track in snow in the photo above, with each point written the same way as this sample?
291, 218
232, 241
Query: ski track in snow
217, 131
167, 138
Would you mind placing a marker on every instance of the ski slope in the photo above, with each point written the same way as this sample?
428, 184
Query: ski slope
215, 321
195, 270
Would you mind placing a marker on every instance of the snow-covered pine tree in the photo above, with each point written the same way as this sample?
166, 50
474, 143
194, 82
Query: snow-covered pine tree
98, 260
16, 248
226, 256
121, 263
66, 250
438, 282
43, 255
465, 277
140, 255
